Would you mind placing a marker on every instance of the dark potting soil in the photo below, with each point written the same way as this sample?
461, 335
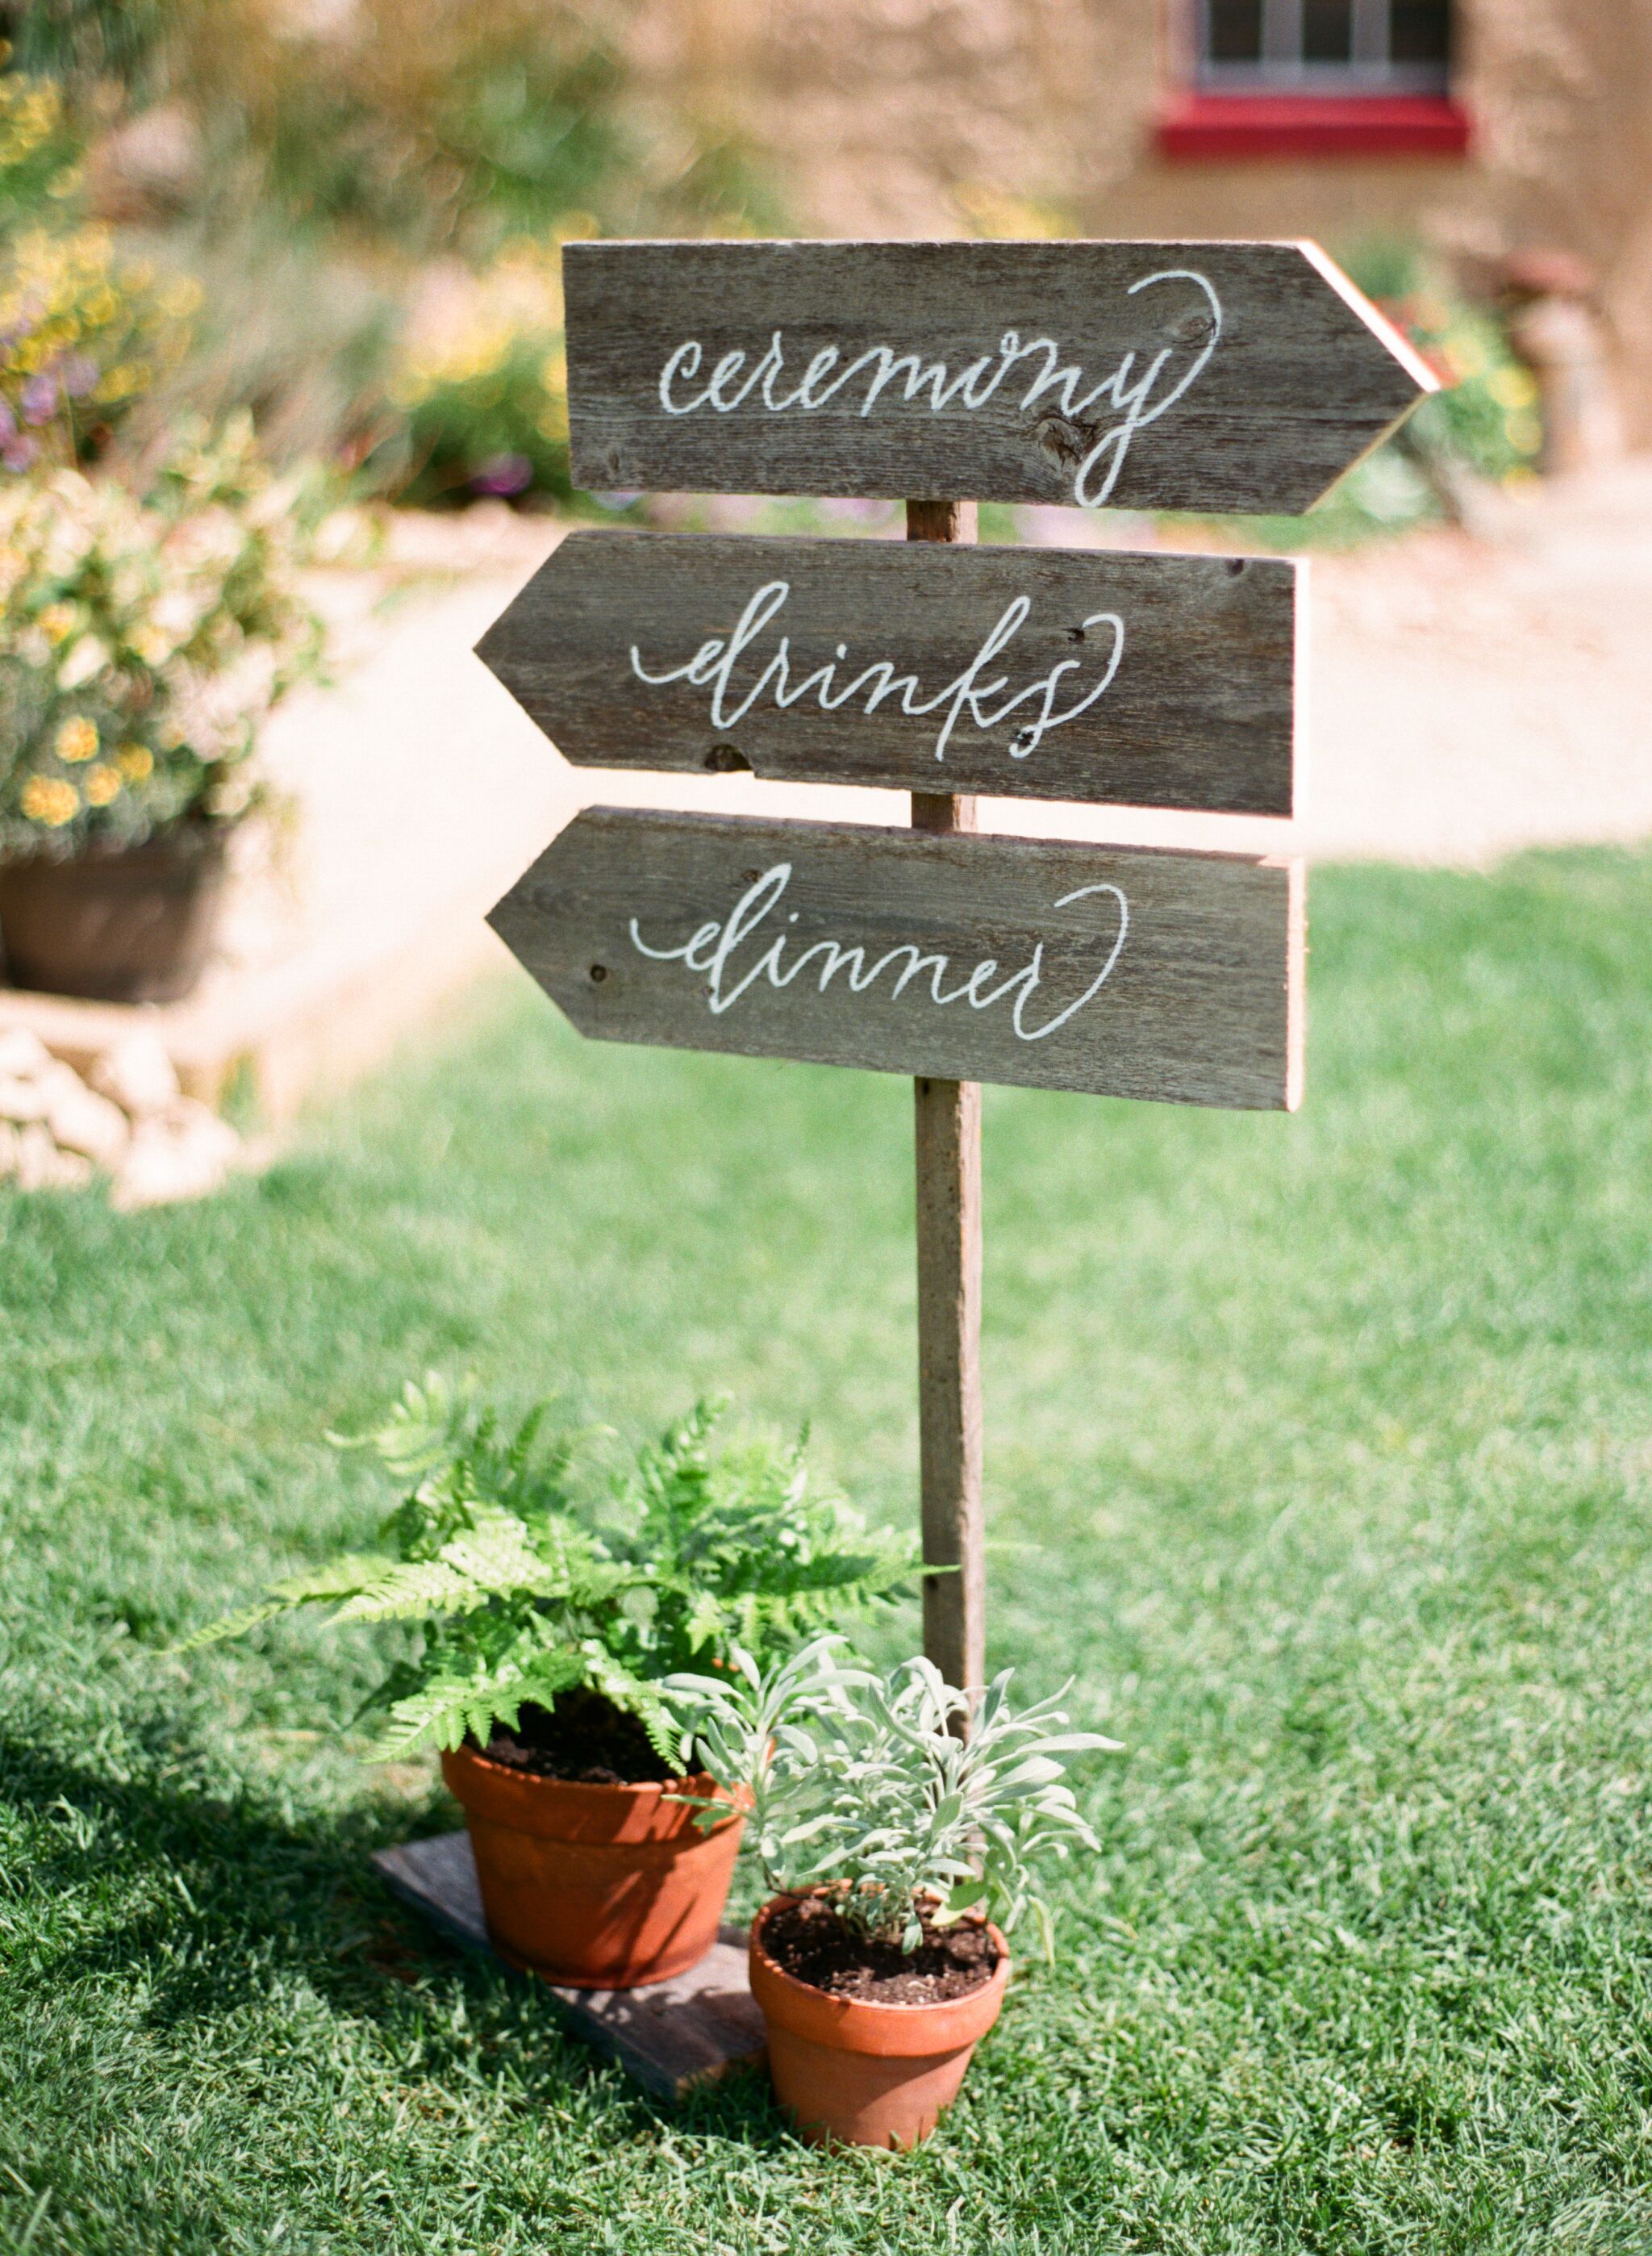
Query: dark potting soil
584, 1739
808, 1940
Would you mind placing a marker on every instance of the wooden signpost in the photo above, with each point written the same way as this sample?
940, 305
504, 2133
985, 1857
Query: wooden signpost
1207, 377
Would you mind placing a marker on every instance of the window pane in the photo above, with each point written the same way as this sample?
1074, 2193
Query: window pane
1327, 31
1420, 30
1235, 30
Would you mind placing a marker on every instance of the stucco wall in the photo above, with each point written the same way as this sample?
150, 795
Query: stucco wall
893, 117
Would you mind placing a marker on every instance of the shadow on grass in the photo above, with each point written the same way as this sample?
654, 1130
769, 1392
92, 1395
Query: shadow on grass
208, 1905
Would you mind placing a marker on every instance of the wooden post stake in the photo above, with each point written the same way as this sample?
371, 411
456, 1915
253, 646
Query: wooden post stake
947, 1123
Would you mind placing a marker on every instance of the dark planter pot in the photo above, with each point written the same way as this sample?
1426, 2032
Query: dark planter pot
115, 924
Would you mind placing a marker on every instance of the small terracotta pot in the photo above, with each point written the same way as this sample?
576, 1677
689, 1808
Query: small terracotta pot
602, 1887
861, 2074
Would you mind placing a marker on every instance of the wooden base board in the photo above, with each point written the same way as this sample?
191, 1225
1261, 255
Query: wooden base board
669, 2035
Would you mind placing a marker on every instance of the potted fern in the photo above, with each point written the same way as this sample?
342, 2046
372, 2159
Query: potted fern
901, 1854
548, 1614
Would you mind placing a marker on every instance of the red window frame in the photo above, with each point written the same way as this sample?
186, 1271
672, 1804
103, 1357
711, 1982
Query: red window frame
1287, 104
1204, 128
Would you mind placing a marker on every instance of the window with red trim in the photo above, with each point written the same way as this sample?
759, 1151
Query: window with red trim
1317, 77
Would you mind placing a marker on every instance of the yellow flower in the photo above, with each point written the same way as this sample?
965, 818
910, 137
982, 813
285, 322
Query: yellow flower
56, 619
1525, 433
77, 738
135, 762
120, 381
49, 800
101, 785
1512, 387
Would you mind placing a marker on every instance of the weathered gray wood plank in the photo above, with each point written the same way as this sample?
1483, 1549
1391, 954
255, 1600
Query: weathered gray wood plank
1183, 668
1207, 375
669, 2035
1130, 973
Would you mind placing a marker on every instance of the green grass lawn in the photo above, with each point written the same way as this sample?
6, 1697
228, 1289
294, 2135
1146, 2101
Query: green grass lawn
1319, 1452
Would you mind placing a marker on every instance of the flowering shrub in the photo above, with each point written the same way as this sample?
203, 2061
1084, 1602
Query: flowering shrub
1484, 425
141, 642
1488, 417
39, 150
83, 334
481, 393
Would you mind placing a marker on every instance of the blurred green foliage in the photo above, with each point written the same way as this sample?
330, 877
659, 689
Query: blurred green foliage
479, 387
86, 43
336, 182
423, 126
39, 148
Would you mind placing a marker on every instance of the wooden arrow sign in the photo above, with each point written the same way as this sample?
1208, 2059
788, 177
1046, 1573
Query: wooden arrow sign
966, 958
1147, 680
1201, 375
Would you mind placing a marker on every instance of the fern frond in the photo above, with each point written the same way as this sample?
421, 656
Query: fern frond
235, 1624
338, 1578
635, 1697
707, 1618
441, 1715
497, 1558
455, 1705
427, 1428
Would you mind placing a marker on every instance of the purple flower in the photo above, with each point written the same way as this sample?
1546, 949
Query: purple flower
38, 399
504, 474
17, 453
80, 374
8, 420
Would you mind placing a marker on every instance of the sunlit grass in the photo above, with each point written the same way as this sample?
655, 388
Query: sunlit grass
1319, 1452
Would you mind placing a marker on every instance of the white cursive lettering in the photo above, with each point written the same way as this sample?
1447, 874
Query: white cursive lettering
969, 694
1133, 399
713, 947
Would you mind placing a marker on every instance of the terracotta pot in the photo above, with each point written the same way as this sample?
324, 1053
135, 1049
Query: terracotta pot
602, 1887
119, 924
861, 2074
